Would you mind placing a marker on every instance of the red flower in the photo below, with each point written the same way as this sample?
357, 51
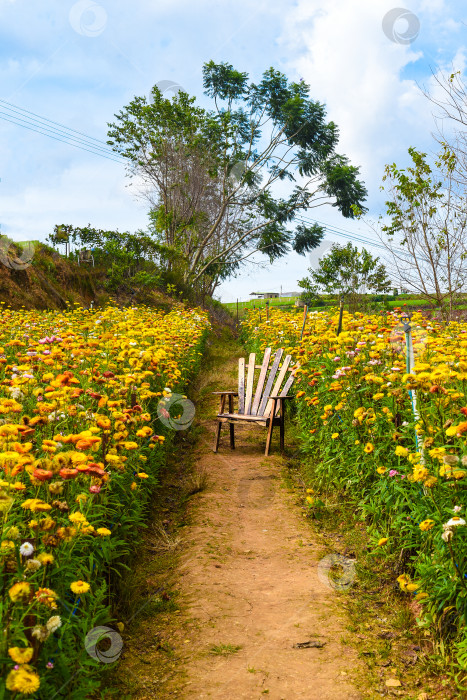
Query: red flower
66, 473
42, 474
95, 469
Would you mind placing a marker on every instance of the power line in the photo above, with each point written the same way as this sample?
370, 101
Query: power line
15, 108
345, 234
58, 139
59, 134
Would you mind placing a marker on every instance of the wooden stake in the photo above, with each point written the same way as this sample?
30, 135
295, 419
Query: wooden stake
341, 312
305, 312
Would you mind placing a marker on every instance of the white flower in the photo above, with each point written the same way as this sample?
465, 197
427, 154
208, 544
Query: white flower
457, 509
447, 535
54, 623
41, 633
33, 565
454, 522
26, 549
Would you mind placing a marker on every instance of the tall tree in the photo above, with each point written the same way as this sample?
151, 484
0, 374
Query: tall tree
213, 177
427, 232
450, 97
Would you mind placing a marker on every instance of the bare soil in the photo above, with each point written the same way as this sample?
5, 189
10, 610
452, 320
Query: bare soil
246, 584
249, 581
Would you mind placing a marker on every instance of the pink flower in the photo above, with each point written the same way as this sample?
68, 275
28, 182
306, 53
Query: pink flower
393, 472
50, 664
95, 488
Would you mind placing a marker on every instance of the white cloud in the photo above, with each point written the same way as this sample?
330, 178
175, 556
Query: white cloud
76, 196
352, 66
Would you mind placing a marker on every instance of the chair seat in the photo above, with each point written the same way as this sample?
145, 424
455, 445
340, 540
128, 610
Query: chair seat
242, 416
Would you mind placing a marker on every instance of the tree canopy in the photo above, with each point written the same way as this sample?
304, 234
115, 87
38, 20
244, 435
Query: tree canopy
347, 272
229, 181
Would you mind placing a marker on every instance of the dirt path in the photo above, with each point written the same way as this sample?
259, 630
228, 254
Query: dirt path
248, 582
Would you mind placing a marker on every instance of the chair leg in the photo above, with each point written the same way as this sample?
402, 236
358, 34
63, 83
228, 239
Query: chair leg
282, 429
231, 425
218, 436
268, 439
232, 436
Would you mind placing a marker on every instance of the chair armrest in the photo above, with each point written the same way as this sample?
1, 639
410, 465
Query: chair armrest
275, 396
225, 393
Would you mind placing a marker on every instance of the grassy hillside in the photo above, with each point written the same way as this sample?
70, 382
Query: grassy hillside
51, 281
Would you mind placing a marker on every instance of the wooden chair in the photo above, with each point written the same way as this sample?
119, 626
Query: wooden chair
266, 406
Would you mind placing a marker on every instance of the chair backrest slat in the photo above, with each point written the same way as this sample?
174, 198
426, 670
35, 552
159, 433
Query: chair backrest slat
241, 385
278, 383
249, 383
261, 379
272, 375
287, 385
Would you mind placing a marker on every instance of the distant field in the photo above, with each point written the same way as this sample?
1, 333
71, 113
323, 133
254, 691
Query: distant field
288, 303
261, 303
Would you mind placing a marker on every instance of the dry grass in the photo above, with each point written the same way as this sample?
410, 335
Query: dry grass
164, 541
197, 481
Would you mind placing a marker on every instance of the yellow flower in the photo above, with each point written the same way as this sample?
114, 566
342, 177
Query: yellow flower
143, 475
401, 451
411, 587
19, 590
426, 525
24, 681
403, 581
6, 545
144, 432
45, 558
381, 470
103, 531
77, 517
382, 541
368, 448
21, 655
335, 435
79, 587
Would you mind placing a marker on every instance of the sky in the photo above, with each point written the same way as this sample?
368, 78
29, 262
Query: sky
78, 63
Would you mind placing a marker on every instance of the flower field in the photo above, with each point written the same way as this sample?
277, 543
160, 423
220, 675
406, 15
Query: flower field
82, 431
395, 443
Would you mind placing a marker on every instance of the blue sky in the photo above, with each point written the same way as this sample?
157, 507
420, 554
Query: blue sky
78, 63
